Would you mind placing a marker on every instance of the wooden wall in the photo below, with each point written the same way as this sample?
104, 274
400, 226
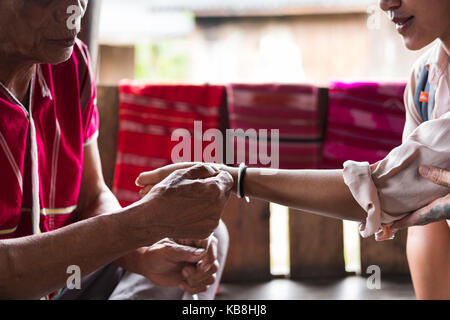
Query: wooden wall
316, 243
108, 106
115, 63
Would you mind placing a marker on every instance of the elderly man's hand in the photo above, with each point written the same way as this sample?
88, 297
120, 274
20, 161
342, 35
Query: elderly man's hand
188, 203
438, 210
190, 265
147, 180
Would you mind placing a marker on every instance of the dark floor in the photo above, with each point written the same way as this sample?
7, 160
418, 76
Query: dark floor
349, 288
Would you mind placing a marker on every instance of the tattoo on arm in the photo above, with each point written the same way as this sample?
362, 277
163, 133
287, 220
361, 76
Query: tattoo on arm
437, 213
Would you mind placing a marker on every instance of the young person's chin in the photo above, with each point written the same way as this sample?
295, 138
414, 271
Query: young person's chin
416, 44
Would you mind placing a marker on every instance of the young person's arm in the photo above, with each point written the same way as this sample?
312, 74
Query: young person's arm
322, 192
377, 194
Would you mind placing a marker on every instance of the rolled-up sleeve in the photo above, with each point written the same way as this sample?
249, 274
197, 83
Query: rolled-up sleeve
394, 188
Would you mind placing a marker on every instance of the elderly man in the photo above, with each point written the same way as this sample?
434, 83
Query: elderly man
55, 210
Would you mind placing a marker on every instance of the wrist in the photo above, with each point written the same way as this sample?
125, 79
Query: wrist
140, 224
132, 262
234, 173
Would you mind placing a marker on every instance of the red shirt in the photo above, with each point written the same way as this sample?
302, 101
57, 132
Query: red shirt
65, 118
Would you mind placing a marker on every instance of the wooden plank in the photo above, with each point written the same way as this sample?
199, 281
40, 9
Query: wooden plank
108, 106
249, 230
390, 255
316, 243
324, 99
316, 246
90, 28
249, 251
294, 11
115, 64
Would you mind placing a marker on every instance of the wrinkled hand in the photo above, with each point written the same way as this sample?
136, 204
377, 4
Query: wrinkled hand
188, 203
198, 278
438, 210
147, 180
190, 265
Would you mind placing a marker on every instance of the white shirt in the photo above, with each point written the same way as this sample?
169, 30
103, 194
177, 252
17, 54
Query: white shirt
395, 188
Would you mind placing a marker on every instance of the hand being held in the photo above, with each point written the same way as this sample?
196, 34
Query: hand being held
190, 265
188, 203
148, 179
198, 277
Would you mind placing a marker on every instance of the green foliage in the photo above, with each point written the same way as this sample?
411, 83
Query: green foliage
165, 61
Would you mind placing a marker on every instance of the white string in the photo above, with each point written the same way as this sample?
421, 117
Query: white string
45, 91
34, 181
34, 165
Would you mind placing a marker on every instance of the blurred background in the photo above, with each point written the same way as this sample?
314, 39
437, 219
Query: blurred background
252, 41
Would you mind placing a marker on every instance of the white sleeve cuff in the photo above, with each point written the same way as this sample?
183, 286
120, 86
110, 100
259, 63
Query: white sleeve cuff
357, 177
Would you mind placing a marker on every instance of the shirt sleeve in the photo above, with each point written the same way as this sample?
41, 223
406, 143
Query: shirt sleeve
394, 188
88, 96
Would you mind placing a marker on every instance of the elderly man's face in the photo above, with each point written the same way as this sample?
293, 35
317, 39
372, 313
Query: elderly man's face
40, 31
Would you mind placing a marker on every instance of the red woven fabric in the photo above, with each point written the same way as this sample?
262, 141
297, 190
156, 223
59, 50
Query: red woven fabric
365, 122
149, 114
292, 109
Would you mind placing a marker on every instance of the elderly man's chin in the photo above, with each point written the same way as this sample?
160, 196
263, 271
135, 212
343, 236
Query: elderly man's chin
59, 55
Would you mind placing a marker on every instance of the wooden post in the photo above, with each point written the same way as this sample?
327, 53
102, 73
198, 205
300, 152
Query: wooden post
249, 251
115, 63
108, 106
317, 246
249, 229
316, 243
90, 28
390, 255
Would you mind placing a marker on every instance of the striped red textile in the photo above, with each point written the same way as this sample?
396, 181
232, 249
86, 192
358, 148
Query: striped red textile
292, 109
148, 116
365, 122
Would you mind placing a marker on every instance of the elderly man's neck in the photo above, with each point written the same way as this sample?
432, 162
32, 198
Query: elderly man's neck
16, 76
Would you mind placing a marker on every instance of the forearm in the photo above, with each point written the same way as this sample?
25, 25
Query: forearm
102, 203
317, 191
322, 192
34, 266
